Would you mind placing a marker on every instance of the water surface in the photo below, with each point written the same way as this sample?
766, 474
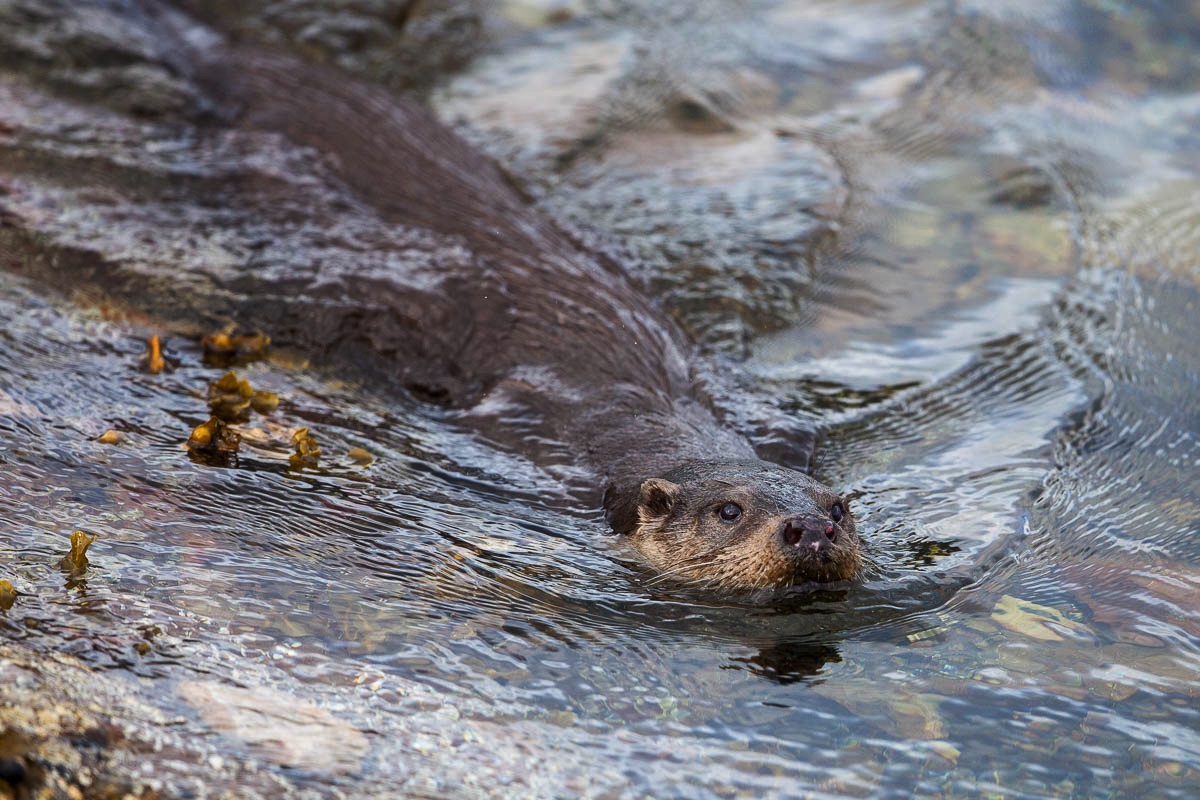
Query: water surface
957, 241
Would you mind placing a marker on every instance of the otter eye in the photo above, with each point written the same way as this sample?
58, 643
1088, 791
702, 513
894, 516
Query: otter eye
837, 512
730, 512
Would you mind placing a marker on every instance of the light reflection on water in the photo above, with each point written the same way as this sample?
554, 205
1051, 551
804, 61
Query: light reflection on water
394, 572
1021, 436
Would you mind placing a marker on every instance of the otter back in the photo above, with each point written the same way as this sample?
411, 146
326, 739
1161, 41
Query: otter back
506, 300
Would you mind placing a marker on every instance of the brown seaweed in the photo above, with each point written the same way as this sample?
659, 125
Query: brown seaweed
307, 452
76, 561
264, 402
8, 595
229, 398
213, 438
226, 349
152, 360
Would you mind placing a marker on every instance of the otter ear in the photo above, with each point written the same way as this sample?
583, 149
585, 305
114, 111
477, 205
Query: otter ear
656, 499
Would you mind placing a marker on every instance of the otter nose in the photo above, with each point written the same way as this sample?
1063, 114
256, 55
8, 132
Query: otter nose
808, 532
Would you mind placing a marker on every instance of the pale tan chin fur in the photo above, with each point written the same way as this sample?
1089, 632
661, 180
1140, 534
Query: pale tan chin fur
751, 564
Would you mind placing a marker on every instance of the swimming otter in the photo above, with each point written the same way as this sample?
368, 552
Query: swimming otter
497, 314
740, 525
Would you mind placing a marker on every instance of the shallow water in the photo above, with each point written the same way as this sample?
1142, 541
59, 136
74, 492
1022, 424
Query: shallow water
959, 241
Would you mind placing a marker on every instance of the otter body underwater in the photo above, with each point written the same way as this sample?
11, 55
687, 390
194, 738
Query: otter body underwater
502, 316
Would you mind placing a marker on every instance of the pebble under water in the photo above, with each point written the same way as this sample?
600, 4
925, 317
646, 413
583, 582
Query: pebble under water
960, 242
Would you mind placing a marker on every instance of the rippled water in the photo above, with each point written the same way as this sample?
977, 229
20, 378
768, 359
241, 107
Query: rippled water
959, 240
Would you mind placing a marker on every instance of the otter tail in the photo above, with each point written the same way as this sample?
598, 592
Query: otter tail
388, 149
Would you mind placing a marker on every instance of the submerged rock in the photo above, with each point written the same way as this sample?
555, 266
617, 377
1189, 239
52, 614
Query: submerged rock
278, 727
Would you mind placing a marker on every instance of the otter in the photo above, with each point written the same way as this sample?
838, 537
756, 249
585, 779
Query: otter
739, 525
500, 316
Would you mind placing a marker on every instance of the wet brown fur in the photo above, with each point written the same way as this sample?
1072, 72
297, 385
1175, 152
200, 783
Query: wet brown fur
679, 529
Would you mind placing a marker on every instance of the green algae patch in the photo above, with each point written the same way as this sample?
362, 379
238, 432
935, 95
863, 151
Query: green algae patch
76, 561
307, 454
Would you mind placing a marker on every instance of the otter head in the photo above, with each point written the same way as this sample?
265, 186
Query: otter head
743, 526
